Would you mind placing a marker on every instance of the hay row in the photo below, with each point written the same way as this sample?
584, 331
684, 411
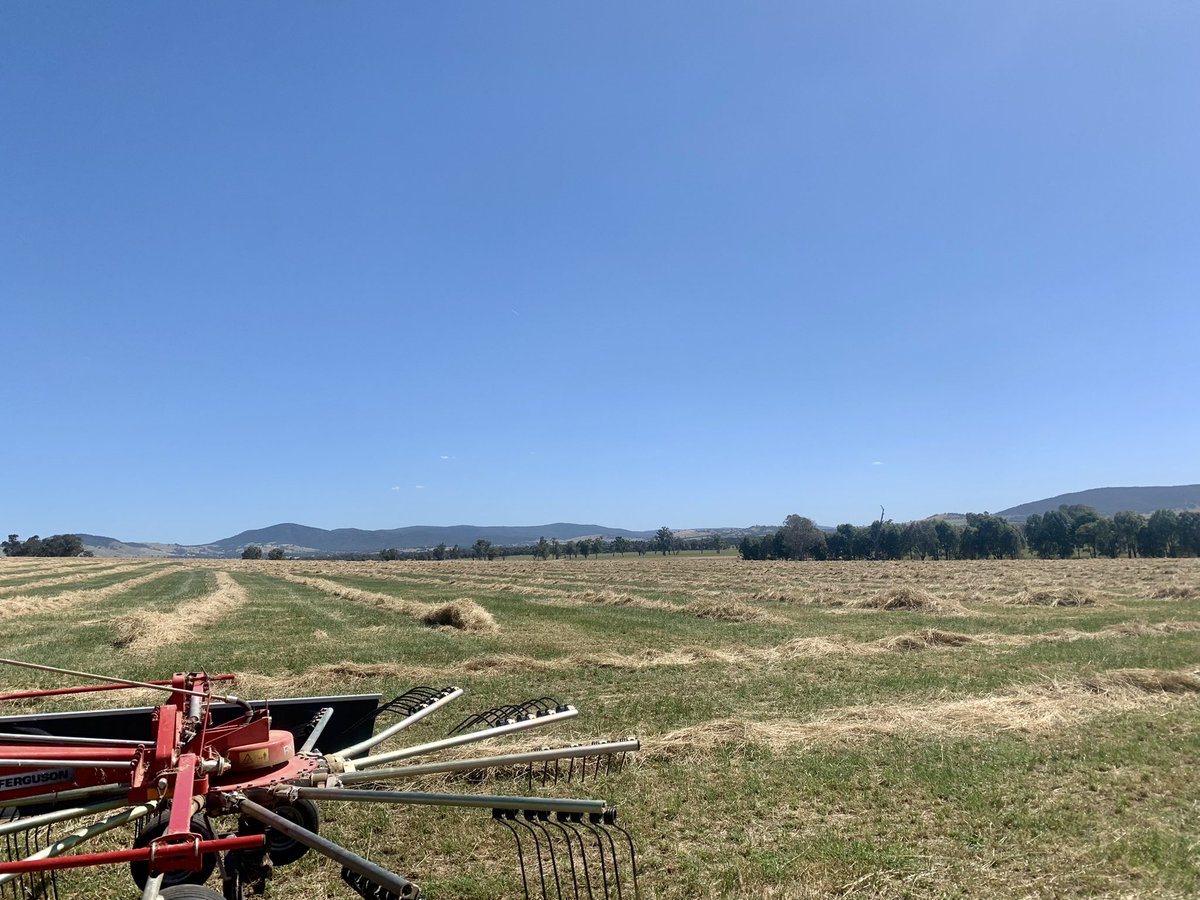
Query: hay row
26, 605
926, 639
720, 610
1029, 709
463, 614
98, 572
143, 630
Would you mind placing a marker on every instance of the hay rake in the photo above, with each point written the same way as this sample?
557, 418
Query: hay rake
175, 771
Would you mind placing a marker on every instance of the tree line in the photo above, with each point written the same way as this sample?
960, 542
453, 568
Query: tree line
55, 545
1060, 534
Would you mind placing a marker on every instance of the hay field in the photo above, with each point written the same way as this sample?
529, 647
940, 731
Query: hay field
948, 729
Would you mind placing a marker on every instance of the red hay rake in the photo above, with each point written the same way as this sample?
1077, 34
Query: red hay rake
174, 771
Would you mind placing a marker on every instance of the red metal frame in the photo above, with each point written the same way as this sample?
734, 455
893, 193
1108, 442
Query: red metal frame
178, 764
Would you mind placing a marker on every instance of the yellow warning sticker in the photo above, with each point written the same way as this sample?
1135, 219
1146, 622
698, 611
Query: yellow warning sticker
254, 758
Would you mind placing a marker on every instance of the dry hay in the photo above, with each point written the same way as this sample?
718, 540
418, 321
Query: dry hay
320, 678
910, 599
143, 630
1030, 709
1175, 592
726, 610
925, 639
458, 615
26, 605
54, 580
1061, 596
463, 614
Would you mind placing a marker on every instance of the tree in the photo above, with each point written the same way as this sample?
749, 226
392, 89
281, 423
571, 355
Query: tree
947, 538
482, 549
389, 555
55, 545
542, 550
1163, 529
1127, 526
275, 553
802, 539
620, 545
252, 552
716, 542
585, 547
439, 552
664, 540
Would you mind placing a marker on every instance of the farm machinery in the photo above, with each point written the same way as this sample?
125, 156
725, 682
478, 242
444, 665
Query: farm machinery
220, 789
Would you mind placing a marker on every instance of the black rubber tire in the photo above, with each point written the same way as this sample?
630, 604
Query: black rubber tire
282, 848
140, 871
189, 892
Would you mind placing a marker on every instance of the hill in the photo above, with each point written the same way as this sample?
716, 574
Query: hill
1110, 500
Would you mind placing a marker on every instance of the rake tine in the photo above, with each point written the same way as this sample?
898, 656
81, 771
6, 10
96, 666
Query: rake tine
570, 854
537, 852
571, 821
499, 816
538, 821
556, 771
571, 771
601, 821
600, 850
632, 854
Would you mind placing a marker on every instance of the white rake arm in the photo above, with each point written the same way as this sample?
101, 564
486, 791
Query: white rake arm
486, 762
457, 740
356, 749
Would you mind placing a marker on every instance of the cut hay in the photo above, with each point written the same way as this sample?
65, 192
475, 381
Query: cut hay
144, 630
726, 610
908, 599
54, 580
1029, 709
1175, 592
925, 639
26, 605
462, 614
1068, 596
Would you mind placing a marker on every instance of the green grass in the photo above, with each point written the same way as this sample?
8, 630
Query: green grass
1107, 807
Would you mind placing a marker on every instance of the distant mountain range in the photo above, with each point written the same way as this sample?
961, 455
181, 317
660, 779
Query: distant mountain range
1111, 500
303, 540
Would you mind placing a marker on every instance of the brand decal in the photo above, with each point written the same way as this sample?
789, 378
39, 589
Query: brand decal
17, 781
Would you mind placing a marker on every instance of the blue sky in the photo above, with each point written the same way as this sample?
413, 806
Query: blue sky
382, 264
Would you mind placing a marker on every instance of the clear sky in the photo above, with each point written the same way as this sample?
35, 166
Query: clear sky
695, 264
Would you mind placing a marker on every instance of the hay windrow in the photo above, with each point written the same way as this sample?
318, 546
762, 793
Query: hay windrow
1030, 709
27, 605
1063, 596
908, 599
54, 580
143, 630
1175, 592
462, 614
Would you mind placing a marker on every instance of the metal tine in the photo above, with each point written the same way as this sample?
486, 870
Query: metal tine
612, 822
538, 819
602, 820
571, 822
503, 816
590, 826
537, 852
570, 853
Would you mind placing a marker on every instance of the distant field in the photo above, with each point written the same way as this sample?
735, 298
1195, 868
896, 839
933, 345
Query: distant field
940, 729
